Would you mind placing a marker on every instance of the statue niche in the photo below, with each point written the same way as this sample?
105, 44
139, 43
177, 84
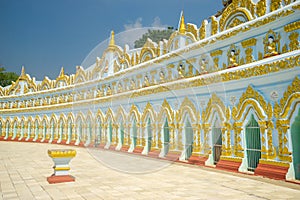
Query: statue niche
233, 57
271, 44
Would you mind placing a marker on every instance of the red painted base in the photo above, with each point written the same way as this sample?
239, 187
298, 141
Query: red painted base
112, 147
271, 171
125, 148
154, 153
172, 156
60, 179
99, 146
228, 165
197, 160
138, 150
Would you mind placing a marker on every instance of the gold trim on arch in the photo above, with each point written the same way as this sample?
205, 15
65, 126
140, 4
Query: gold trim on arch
148, 111
166, 109
217, 103
121, 114
250, 97
187, 105
109, 113
134, 111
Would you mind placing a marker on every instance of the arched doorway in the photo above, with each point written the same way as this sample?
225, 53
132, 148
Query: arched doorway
22, 130
79, 131
15, 130
188, 139
295, 133
52, 129
36, 130
7, 129
133, 135
88, 134
44, 130
60, 131
98, 131
253, 144
69, 131
165, 139
217, 140
28, 130
108, 136
121, 132
148, 135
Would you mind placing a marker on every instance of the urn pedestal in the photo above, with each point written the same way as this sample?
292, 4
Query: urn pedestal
61, 159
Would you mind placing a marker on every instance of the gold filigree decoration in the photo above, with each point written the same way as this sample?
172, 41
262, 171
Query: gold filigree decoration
233, 23
249, 42
249, 55
165, 110
30, 84
275, 4
215, 103
292, 26
253, 98
134, 111
186, 106
80, 75
192, 29
216, 53
261, 8
202, 30
234, 9
148, 112
148, 50
109, 116
294, 43
62, 78
214, 25
292, 93
46, 84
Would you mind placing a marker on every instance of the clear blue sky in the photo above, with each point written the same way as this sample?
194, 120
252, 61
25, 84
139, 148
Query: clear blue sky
44, 35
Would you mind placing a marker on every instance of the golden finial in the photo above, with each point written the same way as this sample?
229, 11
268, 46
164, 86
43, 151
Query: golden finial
112, 39
182, 24
62, 72
23, 71
23, 75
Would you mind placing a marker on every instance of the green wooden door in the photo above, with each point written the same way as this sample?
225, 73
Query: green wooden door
217, 141
134, 132
149, 134
166, 135
295, 132
121, 129
253, 143
188, 146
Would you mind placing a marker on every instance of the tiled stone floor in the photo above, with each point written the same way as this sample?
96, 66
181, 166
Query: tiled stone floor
25, 166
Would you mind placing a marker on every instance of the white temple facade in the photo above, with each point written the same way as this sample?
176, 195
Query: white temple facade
225, 94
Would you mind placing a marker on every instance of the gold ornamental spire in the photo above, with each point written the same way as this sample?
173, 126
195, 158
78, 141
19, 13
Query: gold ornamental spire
62, 72
182, 24
112, 39
23, 75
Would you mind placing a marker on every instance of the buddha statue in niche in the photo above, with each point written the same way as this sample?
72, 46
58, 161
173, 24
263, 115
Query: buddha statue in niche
232, 58
270, 46
180, 71
146, 81
162, 76
203, 66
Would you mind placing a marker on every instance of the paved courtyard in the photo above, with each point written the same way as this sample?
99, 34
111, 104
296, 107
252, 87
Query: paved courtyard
110, 175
